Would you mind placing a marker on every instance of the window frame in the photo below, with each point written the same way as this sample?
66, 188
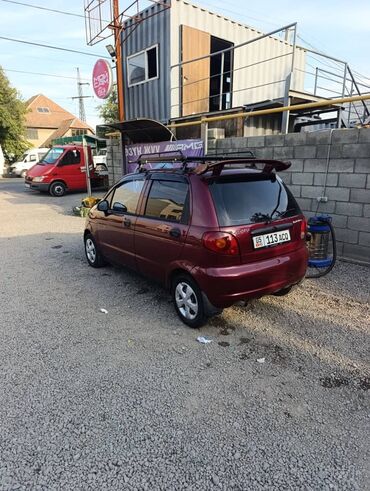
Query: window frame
61, 164
129, 84
32, 133
43, 110
185, 216
109, 196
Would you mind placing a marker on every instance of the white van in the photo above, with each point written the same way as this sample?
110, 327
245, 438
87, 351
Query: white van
28, 159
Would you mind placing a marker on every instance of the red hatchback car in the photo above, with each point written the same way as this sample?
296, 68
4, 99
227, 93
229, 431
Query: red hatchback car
214, 234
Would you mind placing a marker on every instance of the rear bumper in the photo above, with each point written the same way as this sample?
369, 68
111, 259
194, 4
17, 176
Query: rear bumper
226, 286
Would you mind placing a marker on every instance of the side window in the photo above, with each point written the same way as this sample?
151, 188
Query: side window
126, 197
168, 200
32, 158
71, 157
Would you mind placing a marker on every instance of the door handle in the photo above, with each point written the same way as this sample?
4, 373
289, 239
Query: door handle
127, 222
175, 232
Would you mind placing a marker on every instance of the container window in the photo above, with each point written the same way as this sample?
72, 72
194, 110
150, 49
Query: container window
142, 66
152, 62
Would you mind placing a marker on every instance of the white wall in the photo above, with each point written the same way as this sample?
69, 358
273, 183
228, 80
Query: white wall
219, 26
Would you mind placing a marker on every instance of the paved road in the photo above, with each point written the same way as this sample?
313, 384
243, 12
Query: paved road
130, 400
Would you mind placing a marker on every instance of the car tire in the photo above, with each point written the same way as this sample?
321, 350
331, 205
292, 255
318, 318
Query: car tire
188, 301
23, 174
57, 189
283, 292
93, 256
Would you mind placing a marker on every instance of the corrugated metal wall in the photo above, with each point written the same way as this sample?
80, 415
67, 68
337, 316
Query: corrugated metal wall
244, 79
159, 99
150, 99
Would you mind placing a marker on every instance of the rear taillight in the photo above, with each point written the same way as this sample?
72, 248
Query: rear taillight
303, 229
221, 242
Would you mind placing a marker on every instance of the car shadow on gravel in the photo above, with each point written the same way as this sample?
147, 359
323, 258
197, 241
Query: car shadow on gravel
275, 334
270, 328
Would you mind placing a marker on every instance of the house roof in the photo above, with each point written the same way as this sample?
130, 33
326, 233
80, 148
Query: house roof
52, 118
64, 126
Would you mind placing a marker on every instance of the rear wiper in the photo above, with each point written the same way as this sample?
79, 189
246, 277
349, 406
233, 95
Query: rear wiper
261, 217
282, 214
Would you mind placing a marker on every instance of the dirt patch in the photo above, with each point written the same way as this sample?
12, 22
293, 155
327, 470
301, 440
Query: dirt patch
244, 341
334, 381
364, 383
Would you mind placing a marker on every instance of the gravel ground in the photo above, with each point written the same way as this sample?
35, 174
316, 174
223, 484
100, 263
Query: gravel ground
130, 400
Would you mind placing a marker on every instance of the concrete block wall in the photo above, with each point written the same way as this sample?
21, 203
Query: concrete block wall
347, 175
114, 160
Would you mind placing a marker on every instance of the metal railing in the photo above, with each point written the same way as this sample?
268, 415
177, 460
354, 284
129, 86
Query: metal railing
286, 71
232, 86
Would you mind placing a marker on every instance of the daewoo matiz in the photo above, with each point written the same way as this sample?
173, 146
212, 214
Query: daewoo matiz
214, 232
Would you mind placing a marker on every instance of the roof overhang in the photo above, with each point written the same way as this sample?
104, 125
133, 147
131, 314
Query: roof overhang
142, 130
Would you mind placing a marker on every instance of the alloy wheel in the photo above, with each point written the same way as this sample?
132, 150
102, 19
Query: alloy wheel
186, 301
90, 250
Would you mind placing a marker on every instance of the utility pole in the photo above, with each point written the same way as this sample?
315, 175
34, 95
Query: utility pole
81, 97
117, 23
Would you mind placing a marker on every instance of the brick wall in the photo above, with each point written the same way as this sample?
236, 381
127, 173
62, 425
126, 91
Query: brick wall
114, 160
347, 182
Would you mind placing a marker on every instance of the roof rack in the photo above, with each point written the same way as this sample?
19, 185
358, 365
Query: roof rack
177, 156
215, 163
269, 165
174, 156
236, 153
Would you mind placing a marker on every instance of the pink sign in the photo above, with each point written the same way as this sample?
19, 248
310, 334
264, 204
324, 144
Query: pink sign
102, 79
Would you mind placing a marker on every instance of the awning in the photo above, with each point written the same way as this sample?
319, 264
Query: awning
142, 130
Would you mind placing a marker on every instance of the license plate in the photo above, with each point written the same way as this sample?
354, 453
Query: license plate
27, 185
266, 240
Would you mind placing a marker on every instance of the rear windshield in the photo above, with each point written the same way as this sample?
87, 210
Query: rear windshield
251, 199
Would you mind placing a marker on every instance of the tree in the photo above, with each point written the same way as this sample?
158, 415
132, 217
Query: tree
12, 119
109, 110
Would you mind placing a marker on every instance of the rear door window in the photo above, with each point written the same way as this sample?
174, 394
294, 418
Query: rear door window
251, 199
168, 200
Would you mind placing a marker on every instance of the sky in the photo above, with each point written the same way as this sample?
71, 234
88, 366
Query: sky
340, 28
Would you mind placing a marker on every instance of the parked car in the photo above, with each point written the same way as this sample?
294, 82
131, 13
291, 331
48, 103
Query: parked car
62, 169
28, 159
101, 157
213, 235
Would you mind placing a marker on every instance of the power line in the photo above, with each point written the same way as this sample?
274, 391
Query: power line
42, 74
49, 46
44, 8
55, 11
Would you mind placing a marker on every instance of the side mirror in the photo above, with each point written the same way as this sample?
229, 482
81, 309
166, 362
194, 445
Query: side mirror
119, 207
103, 206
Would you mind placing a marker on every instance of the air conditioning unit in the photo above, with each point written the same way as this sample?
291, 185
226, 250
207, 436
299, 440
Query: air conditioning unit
216, 133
